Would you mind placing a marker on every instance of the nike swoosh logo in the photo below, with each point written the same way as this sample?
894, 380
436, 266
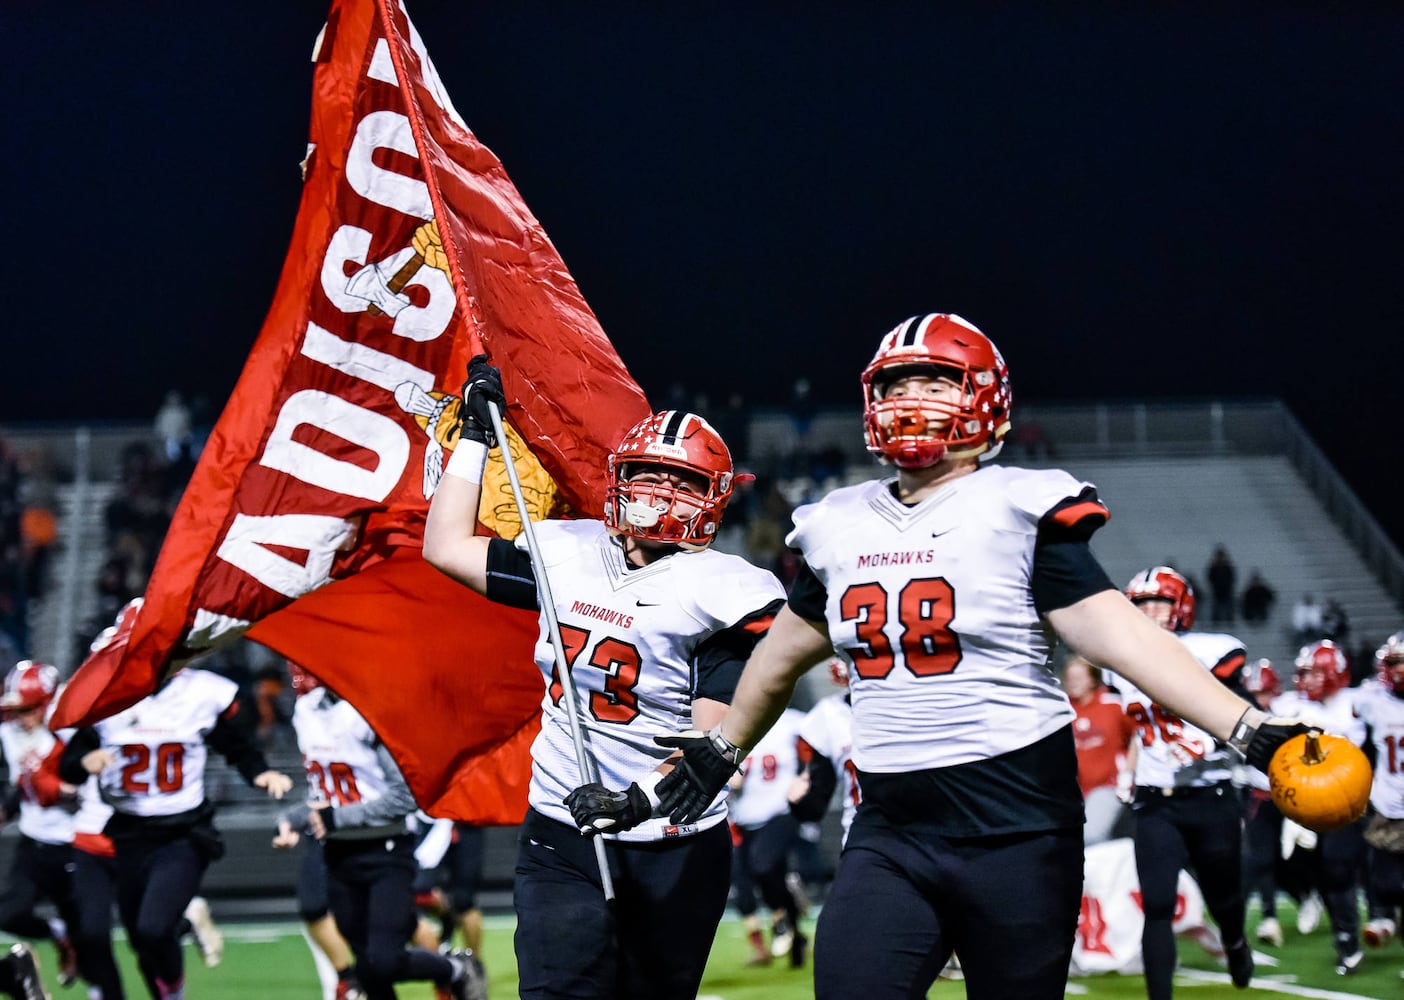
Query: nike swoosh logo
646, 604
938, 534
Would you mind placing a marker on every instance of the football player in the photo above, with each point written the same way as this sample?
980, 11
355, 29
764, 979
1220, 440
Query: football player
942, 588
450, 858
19, 974
657, 626
1322, 697
1381, 707
42, 864
825, 750
1186, 806
150, 762
359, 807
763, 831
1262, 820
335, 964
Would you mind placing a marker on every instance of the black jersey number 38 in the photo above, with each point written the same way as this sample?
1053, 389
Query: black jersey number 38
923, 608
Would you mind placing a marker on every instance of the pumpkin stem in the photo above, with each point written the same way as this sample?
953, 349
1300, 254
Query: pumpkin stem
1312, 754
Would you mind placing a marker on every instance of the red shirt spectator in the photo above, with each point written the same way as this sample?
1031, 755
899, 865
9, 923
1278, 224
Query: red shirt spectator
1101, 731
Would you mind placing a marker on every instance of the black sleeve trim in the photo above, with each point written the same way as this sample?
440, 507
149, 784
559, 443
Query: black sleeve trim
719, 658
1075, 518
1229, 670
232, 738
510, 578
84, 742
1065, 572
808, 596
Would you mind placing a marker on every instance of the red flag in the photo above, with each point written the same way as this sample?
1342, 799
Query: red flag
303, 521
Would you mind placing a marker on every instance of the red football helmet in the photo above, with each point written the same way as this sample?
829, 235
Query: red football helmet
1261, 678
916, 433
303, 681
679, 442
1389, 661
1161, 583
1322, 670
29, 685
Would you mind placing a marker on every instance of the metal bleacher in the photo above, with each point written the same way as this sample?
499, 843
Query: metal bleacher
1178, 478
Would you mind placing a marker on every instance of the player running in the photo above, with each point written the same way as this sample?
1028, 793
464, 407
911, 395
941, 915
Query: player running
943, 588
656, 626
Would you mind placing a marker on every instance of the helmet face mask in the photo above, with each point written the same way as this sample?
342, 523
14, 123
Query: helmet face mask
962, 410
28, 686
669, 481
1161, 583
1321, 670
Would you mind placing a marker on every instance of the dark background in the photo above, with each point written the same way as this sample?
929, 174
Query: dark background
1133, 200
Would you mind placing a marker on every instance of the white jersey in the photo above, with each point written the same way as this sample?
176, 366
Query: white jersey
25, 754
931, 606
1173, 753
630, 637
767, 774
1379, 708
338, 750
828, 728
159, 745
1334, 714
93, 813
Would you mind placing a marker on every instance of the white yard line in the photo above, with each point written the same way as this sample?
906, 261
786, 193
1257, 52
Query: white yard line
1271, 985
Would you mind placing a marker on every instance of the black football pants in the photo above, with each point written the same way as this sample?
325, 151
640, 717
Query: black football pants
652, 943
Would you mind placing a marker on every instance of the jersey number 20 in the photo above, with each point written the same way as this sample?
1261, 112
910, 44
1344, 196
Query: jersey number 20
924, 609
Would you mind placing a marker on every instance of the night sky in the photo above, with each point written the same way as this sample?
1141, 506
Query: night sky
1133, 200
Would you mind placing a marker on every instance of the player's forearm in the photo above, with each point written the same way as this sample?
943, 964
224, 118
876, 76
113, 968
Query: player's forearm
1108, 630
790, 648
451, 544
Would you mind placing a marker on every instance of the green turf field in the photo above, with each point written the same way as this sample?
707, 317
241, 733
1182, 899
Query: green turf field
271, 962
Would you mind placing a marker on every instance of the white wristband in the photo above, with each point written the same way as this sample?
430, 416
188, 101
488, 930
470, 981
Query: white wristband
649, 786
467, 461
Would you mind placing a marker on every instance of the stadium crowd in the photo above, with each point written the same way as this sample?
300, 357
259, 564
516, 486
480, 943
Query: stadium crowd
105, 816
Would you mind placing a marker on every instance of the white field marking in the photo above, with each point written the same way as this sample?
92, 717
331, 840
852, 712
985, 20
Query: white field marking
1271, 986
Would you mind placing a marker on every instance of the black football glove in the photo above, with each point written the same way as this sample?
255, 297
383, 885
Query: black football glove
1257, 736
597, 809
708, 762
483, 385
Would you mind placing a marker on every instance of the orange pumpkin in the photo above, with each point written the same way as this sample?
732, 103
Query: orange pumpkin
1320, 781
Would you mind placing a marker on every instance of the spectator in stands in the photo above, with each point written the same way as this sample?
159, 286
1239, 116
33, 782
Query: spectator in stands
1101, 733
1306, 620
1222, 576
173, 426
1032, 440
1335, 623
1257, 599
13, 577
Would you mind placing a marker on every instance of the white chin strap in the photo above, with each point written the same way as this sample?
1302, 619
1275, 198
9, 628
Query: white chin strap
638, 514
